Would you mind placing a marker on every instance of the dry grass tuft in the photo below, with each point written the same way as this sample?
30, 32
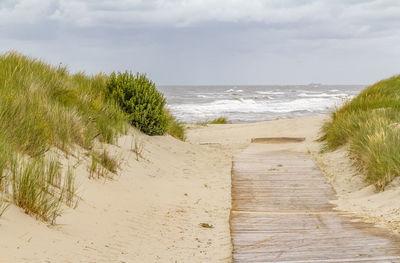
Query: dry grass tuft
102, 164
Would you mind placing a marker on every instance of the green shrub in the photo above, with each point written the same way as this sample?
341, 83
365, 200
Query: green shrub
139, 98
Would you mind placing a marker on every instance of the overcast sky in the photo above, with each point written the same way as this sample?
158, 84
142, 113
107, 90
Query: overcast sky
212, 41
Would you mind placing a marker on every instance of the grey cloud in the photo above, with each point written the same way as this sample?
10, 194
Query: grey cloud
208, 41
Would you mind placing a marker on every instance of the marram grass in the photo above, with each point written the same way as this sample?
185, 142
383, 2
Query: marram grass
370, 124
44, 106
175, 128
219, 120
102, 164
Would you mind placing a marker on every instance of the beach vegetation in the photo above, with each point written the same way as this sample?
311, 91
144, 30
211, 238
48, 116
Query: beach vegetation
138, 97
69, 189
44, 107
370, 125
109, 162
219, 120
175, 128
95, 169
3, 206
102, 164
36, 188
144, 105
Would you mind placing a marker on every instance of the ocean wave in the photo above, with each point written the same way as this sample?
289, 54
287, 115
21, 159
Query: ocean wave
241, 105
323, 95
270, 92
232, 90
309, 104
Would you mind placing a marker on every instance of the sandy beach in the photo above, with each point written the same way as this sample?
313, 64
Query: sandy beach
173, 204
151, 211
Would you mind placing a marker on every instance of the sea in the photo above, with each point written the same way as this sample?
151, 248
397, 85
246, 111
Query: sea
244, 104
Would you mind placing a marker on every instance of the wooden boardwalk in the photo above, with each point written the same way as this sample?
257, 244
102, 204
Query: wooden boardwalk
281, 213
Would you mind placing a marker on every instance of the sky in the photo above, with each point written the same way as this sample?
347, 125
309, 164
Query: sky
211, 42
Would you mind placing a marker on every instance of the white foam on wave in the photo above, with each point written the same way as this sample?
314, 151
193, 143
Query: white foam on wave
306, 104
323, 95
220, 107
253, 104
232, 90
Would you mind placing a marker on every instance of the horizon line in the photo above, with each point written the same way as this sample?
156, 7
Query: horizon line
255, 85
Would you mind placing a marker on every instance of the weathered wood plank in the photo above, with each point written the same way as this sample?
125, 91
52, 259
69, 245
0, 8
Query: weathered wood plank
277, 139
281, 213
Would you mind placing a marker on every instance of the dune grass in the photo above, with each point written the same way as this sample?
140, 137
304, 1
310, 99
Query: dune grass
219, 120
175, 128
32, 191
41, 107
44, 107
370, 124
103, 163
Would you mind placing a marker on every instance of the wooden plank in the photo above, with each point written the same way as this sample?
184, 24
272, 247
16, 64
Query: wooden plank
281, 213
278, 140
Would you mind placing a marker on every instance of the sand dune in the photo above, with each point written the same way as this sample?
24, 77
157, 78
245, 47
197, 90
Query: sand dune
150, 212
381, 208
157, 209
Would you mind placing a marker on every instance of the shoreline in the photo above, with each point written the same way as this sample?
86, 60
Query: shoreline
174, 202
194, 125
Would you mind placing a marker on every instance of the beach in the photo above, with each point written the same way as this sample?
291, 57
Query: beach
151, 212
173, 203
199, 131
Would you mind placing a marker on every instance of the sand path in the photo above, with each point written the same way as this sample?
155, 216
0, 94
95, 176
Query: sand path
281, 212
